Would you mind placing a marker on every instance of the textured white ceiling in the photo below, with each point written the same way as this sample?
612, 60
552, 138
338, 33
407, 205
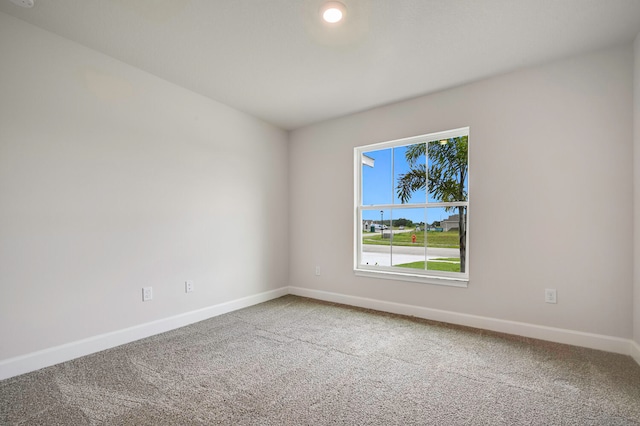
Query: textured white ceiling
275, 60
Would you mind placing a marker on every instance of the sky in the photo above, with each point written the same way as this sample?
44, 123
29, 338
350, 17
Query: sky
379, 187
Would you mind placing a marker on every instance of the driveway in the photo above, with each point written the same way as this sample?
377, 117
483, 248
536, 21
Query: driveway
384, 256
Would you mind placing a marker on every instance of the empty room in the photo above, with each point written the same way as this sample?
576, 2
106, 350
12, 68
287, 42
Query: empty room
295, 212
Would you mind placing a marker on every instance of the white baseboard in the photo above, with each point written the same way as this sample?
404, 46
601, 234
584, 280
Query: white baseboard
635, 351
559, 335
33, 361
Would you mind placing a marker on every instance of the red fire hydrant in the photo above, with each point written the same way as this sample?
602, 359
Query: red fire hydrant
413, 238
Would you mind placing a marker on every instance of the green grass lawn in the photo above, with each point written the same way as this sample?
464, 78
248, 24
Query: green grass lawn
433, 266
449, 239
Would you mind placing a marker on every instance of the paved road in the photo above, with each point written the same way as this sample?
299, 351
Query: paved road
383, 256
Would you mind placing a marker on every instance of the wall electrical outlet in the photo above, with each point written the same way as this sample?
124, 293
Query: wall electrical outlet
189, 286
550, 295
147, 294
317, 270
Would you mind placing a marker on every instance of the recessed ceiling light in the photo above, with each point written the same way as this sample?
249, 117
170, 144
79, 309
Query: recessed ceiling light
333, 12
23, 3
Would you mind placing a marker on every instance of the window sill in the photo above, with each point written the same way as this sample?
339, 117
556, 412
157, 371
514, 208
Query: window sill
424, 279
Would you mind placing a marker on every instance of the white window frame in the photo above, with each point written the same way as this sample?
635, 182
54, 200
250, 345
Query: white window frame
456, 279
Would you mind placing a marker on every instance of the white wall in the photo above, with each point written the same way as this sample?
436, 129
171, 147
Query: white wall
636, 197
550, 156
112, 179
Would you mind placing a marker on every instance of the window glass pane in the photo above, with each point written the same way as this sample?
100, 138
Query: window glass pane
377, 179
408, 243
448, 170
446, 239
410, 176
376, 238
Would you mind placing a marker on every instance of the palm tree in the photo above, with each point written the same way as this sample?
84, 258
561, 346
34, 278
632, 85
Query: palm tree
447, 174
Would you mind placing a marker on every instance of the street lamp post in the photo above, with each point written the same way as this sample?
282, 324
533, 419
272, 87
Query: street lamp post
381, 224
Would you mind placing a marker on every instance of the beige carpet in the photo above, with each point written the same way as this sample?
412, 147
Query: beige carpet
296, 361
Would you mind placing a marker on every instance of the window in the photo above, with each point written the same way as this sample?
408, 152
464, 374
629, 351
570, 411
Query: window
412, 208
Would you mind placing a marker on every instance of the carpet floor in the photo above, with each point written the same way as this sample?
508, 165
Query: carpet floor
297, 361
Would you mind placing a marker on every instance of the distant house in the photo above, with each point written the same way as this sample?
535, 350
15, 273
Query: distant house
450, 223
367, 224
